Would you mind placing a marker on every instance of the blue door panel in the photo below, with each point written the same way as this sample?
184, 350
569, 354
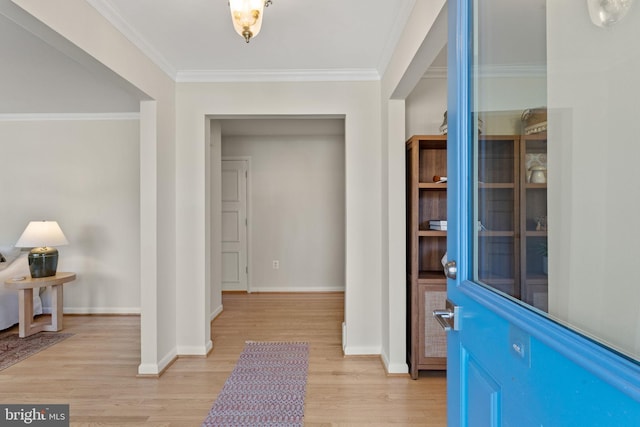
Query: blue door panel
483, 396
534, 384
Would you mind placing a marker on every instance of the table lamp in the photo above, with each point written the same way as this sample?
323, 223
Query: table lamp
41, 236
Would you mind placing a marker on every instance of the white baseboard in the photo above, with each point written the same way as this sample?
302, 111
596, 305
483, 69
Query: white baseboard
215, 313
96, 310
393, 368
167, 360
361, 351
271, 288
397, 368
157, 368
194, 350
23, 117
148, 369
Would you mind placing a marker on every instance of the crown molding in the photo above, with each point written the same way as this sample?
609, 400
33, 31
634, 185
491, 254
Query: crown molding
495, 71
512, 71
39, 117
231, 76
396, 33
436, 73
106, 9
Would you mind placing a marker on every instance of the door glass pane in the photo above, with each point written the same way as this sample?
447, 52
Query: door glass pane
556, 88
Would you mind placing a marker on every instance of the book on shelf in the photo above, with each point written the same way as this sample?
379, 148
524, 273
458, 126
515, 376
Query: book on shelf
438, 224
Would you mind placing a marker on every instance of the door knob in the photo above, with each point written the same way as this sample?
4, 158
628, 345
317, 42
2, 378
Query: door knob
449, 318
451, 269
443, 316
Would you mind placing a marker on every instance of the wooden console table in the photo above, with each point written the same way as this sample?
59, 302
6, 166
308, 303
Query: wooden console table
25, 287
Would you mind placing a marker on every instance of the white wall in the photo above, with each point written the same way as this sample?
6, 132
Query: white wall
426, 104
425, 107
85, 175
162, 331
176, 205
593, 175
297, 210
359, 103
407, 65
214, 178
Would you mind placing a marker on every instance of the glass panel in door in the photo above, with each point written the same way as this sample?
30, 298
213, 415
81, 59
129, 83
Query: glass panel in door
555, 95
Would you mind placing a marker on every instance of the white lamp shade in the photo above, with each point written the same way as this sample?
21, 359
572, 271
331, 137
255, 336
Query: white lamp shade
42, 234
247, 16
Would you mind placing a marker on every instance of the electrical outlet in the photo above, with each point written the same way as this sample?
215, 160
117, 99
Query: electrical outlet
276, 264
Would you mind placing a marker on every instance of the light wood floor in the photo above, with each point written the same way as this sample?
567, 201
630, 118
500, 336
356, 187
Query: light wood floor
95, 370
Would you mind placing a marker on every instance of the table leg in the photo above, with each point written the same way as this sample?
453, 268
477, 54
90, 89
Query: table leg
56, 308
25, 312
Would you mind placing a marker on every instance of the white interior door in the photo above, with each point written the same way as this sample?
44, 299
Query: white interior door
235, 268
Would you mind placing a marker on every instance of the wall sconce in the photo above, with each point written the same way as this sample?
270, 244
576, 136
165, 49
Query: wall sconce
247, 16
41, 236
605, 13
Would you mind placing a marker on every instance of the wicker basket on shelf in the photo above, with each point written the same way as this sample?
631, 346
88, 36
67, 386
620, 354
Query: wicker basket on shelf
534, 120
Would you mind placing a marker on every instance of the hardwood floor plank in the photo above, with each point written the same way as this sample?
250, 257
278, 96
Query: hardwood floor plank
95, 370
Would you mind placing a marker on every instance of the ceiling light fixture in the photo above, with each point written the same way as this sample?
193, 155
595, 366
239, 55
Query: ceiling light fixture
247, 16
605, 13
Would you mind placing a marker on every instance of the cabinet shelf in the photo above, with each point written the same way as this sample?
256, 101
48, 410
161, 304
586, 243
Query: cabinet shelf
496, 280
442, 186
534, 186
432, 278
491, 233
432, 233
496, 185
537, 279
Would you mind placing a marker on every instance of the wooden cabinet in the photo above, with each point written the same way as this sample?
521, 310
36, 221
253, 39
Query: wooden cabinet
498, 197
512, 211
426, 283
511, 235
533, 220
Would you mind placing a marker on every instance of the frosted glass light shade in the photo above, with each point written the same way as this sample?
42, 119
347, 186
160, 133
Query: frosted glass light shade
42, 234
247, 17
605, 13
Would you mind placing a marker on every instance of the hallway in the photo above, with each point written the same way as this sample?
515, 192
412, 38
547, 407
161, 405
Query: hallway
341, 390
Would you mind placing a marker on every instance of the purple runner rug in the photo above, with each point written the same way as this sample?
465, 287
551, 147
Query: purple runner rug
266, 388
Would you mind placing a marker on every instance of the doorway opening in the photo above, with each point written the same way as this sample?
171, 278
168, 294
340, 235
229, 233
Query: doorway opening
294, 212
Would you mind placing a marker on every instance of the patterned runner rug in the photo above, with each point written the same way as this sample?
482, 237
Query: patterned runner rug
266, 388
14, 349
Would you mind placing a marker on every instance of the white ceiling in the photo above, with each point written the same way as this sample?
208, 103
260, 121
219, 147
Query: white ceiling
306, 39
195, 40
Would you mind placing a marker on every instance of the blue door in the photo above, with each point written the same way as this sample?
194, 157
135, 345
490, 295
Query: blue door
543, 300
